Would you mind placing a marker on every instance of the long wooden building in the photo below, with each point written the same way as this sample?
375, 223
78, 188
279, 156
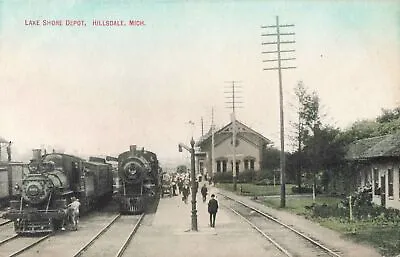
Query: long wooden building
379, 167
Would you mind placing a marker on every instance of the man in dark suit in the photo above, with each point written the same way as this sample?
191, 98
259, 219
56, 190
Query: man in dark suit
212, 210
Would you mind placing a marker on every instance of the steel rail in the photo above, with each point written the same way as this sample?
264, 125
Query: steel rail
331, 252
30, 246
129, 238
91, 241
5, 222
277, 245
8, 239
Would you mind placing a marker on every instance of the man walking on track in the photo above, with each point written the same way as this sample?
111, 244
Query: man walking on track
212, 210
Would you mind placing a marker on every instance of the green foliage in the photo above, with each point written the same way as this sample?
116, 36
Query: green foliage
270, 158
223, 177
388, 115
325, 211
318, 145
388, 122
360, 130
247, 176
305, 190
266, 177
389, 127
256, 190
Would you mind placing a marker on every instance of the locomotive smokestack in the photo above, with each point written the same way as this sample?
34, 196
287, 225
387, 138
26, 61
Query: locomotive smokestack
132, 149
36, 154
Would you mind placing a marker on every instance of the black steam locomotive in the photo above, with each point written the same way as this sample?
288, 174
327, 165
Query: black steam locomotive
52, 180
139, 180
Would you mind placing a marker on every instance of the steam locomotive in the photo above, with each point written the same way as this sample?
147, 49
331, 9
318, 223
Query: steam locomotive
52, 180
138, 173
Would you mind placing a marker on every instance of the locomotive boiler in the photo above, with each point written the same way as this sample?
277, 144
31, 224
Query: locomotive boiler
53, 179
138, 175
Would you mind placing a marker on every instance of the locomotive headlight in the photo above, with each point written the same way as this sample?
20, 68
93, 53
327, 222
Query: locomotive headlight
132, 169
33, 190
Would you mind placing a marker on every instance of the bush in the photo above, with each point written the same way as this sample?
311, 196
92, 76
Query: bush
265, 182
223, 177
305, 190
247, 176
265, 175
362, 209
325, 211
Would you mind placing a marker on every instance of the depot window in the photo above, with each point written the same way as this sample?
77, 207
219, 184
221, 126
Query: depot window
390, 179
224, 166
246, 164
218, 166
376, 181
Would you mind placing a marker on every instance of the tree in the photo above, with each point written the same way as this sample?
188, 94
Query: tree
307, 127
359, 130
386, 123
389, 121
389, 115
270, 158
300, 131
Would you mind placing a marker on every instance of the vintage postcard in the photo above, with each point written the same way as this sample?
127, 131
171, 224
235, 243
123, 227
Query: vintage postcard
142, 102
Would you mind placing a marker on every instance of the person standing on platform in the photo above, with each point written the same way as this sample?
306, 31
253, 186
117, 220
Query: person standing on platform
185, 192
204, 192
180, 185
212, 210
174, 188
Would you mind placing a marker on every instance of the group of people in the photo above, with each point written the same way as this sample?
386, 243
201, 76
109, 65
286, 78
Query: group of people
184, 189
180, 186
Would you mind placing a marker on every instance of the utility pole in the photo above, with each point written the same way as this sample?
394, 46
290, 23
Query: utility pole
212, 143
275, 57
202, 127
233, 105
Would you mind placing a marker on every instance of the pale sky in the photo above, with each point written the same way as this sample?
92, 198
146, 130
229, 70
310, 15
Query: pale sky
96, 90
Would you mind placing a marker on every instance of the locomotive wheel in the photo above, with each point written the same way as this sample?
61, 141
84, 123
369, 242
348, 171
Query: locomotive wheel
57, 224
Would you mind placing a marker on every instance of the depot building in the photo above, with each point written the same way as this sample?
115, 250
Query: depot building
249, 147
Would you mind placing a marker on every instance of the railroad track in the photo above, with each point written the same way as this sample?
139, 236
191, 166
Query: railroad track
287, 239
5, 222
8, 239
23, 244
118, 224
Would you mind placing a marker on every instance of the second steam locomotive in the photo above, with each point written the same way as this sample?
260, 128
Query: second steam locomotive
138, 177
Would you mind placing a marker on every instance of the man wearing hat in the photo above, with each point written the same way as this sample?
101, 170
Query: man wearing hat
212, 210
73, 210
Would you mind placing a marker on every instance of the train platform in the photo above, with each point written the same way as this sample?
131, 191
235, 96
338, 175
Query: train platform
168, 233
